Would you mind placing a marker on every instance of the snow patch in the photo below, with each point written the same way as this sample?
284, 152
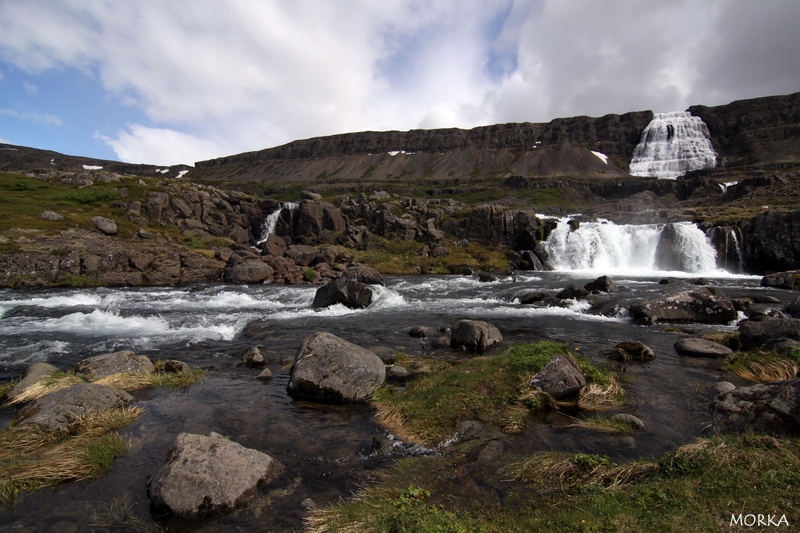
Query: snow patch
601, 156
181, 173
92, 167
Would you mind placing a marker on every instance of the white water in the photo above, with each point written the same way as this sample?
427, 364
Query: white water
271, 221
607, 248
671, 145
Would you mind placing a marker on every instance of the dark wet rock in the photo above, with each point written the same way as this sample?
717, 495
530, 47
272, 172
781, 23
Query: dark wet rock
474, 335
308, 504
485, 277
783, 346
631, 420
696, 347
253, 358
635, 351
330, 369
105, 225
573, 291
721, 387
491, 451
347, 292
687, 281
265, 375
471, 430
754, 333
443, 341
274, 245
765, 299
302, 254
559, 378
252, 271
51, 215
107, 364
793, 309
204, 475
61, 409
363, 274
530, 298
31, 376
782, 280
173, 366
771, 408
706, 305
601, 284
422, 332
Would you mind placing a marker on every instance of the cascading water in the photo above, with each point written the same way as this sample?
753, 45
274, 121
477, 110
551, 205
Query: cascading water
271, 221
671, 145
609, 248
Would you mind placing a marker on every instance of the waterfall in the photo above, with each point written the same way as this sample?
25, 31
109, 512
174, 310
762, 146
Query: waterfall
725, 240
671, 145
609, 248
271, 221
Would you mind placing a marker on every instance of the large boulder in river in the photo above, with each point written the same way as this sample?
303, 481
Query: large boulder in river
59, 410
782, 280
474, 335
330, 369
601, 284
107, 364
754, 333
203, 475
559, 378
706, 305
252, 271
32, 375
696, 347
635, 351
772, 408
343, 291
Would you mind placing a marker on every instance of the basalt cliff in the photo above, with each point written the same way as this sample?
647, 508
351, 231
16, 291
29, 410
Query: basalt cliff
439, 201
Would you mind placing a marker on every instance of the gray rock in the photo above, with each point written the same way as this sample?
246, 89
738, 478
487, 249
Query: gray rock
310, 195
771, 408
31, 376
706, 305
422, 332
330, 369
722, 387
532, 297
474, 335
203, 475
265, 375
173, 366
753, 334
559, 378
363, 274
601, 284
635, 351
144, 234
491, 452
695, 347
252, 271
793, 309
442, 341
573, 291
61, 409
105, 225
347, 292
629, 419
107, 364
397, 372
253, 358
51, 215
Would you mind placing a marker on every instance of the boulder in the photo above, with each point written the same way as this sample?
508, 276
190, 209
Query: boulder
51, 215
696, 347
310, 195
253, 358
793, 309
173, 366
559, 378
635, 351
302, 254
474, 335
573, 291
706, 305
754, 333
529, 298
782, 280
107, 364
61, 409
332, 370
265, 375
771, 408
252, 271
203, 475
601, 284
105, 225
31, 376
343, 291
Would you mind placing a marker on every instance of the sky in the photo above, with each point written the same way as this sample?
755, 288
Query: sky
177, 81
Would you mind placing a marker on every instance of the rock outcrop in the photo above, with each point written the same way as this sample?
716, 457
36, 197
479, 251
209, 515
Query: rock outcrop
772, 408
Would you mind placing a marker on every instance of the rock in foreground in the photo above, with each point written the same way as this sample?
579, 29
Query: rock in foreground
107, 364
474, 335
61, 409
559, 378
772, 408
203, 475
333, 370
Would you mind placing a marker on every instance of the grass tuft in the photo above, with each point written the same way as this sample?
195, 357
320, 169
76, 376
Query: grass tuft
762, 366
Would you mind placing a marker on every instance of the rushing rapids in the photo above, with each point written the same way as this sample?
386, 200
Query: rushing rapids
671, 145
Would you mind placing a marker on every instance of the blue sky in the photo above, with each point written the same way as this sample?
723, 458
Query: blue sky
167, 82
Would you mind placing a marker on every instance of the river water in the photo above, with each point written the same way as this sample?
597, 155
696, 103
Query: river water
327, 449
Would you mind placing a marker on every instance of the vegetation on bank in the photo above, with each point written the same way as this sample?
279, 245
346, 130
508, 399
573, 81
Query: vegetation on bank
760, 365
700, 487
492, 389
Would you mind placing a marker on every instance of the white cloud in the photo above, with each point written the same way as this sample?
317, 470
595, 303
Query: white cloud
29, 87
238, 75
34, 117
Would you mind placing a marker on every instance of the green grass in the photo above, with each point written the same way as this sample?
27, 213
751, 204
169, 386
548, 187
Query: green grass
763, 366
696, 488
91, 195
492, 389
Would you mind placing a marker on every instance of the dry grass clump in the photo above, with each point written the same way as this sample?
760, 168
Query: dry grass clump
47, 385
762, 366
32, 458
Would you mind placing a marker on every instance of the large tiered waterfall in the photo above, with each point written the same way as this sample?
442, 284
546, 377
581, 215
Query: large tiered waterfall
671, 145
631, 249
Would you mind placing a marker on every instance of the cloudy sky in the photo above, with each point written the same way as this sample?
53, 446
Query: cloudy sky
177, 81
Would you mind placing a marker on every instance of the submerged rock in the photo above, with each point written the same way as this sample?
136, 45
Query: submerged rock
107, 364
695, 347
559, 378
330, 369
474, 335
203, 475
771, 408
59, 410
634, 351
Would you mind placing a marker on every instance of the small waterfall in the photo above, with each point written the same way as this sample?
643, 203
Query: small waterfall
726, 242
671, 145
609, 248
271, 221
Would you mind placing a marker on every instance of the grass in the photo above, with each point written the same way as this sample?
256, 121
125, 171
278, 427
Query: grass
53, 382
32, 458
492, 389
607, 424
763, 366
699, 487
